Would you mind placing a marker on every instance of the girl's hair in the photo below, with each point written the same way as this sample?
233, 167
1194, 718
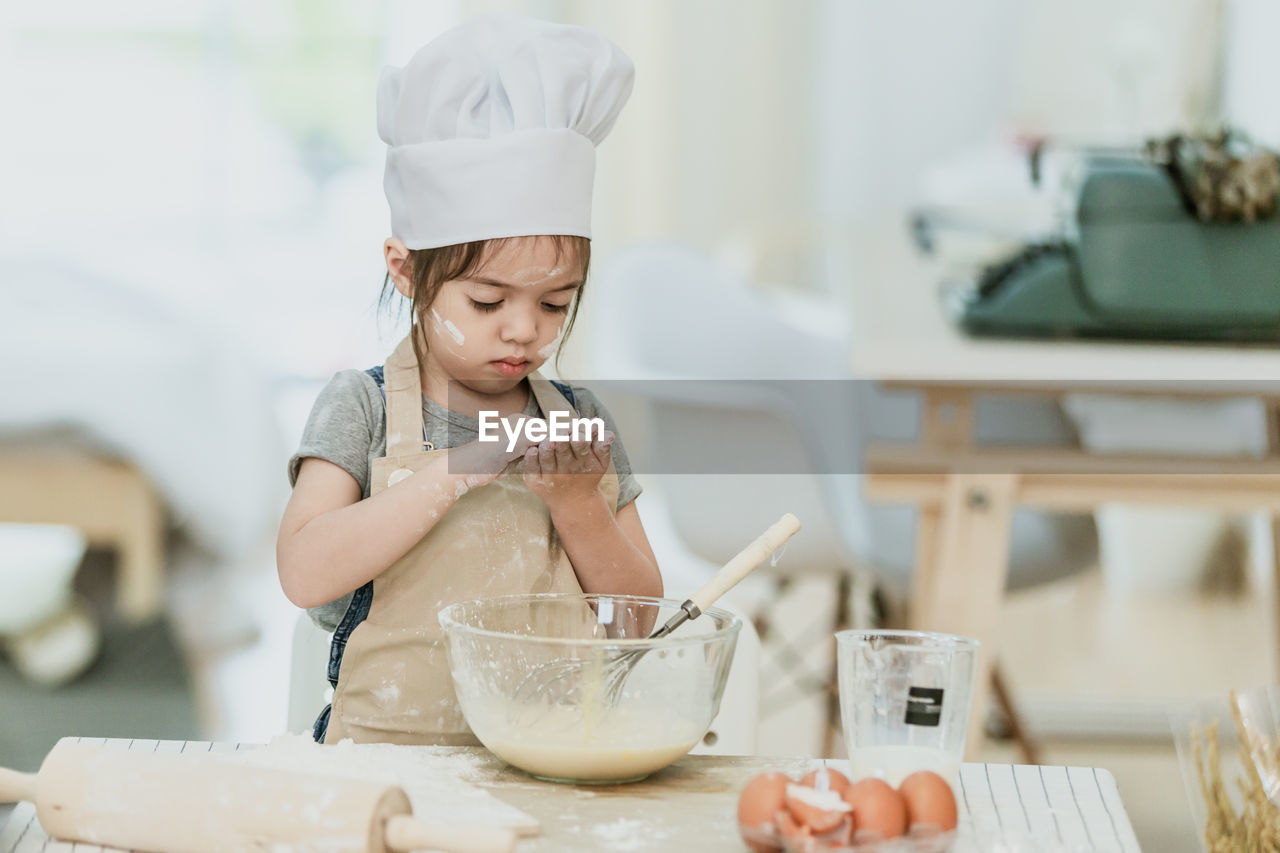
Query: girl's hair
429, 269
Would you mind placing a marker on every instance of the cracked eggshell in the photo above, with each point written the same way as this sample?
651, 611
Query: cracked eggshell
826, 779
821, 811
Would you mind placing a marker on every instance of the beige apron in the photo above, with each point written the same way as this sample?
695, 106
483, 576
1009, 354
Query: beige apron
394, 684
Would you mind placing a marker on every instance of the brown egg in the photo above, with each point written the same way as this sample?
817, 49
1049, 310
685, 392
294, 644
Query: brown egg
929, 800
826, 779
761, 799
877, 808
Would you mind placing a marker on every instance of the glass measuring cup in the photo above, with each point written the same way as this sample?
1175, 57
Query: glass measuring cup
905, 699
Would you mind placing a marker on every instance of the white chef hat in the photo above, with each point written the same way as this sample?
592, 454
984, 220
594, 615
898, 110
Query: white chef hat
491, 130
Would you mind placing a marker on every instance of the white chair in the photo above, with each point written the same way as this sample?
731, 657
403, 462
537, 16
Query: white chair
309, 689
732, 732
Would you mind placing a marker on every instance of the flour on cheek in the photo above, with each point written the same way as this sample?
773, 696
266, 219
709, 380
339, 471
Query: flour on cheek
452, 330
545, 352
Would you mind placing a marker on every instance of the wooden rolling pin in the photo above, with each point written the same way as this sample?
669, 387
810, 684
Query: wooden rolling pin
173, 803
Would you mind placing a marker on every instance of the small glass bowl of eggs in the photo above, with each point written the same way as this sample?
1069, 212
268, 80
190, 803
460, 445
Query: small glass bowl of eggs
825, 812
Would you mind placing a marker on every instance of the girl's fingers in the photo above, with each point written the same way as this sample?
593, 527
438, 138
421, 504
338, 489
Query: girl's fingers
564, 456
584, 457
571, 457
547, 457
522, 447
603, 449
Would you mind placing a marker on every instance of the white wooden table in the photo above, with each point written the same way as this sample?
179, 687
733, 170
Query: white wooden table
692, 806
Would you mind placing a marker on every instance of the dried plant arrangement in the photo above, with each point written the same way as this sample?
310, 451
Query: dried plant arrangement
1255, 826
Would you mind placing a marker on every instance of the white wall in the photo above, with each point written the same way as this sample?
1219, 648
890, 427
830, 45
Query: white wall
1252, 99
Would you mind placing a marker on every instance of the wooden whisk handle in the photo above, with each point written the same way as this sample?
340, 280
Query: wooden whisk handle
746, 560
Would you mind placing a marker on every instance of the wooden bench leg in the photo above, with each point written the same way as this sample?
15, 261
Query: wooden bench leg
140, 552
1026, 746
1275, 590
928, 525
1273, 444
971, 571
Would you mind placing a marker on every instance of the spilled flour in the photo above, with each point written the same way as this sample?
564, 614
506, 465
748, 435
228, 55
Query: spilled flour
623, 834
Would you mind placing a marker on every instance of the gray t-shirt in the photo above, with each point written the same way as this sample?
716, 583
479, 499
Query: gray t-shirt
348, 427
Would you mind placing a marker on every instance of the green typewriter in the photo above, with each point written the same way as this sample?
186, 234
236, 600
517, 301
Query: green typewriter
1179, 241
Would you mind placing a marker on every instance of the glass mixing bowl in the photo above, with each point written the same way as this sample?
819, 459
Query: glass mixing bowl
569, 688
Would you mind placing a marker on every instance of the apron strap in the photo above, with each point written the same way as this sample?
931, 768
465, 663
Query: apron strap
550, 398
403, 388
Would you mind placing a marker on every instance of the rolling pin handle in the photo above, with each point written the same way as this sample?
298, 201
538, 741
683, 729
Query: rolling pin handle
405, 833
17, 787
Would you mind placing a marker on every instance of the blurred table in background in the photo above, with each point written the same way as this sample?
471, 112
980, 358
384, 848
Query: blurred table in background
965, 495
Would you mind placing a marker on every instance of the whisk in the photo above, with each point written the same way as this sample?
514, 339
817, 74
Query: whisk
561, 677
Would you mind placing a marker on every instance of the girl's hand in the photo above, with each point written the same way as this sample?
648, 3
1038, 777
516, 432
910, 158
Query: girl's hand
479, 462
566, 473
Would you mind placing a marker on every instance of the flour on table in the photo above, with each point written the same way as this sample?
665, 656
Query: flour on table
623, 834
433, 781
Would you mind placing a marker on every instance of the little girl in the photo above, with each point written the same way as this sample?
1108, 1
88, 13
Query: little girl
397, 508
